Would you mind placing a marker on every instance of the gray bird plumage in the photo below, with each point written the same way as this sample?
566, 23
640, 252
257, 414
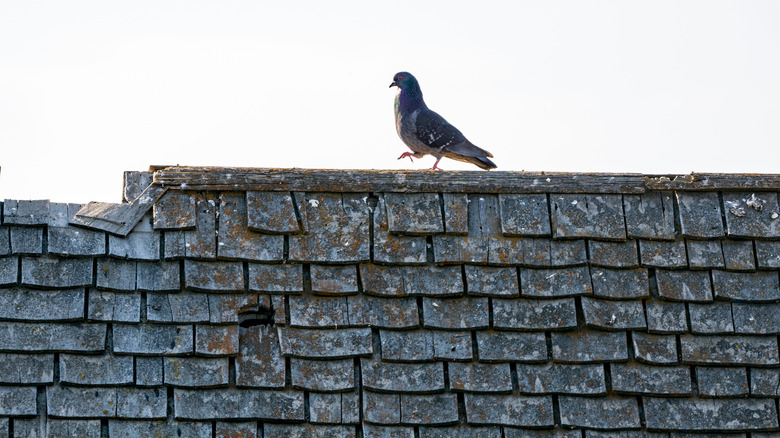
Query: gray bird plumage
427, 133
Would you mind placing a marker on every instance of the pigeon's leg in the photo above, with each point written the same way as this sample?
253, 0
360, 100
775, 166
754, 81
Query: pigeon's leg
410, 155
435, 167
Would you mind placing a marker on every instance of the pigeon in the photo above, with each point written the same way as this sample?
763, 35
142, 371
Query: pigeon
425, 132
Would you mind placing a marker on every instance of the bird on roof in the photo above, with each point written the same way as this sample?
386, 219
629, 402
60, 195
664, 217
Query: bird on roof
427, 133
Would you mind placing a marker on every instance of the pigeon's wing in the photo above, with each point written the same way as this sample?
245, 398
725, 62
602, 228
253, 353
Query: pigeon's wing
435, 132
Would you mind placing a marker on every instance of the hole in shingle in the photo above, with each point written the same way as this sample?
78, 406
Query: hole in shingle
262, 316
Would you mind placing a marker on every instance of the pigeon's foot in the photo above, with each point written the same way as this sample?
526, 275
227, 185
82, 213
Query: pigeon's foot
410, 155
435, 165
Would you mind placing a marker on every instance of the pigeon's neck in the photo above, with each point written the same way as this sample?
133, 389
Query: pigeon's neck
411, 100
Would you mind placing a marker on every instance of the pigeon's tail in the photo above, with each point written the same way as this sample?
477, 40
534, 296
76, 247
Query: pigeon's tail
482, 162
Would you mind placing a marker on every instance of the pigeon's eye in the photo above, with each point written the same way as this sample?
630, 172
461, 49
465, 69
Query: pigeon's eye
399, 78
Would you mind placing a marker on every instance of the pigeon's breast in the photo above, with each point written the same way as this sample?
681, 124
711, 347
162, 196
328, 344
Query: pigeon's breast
406, 127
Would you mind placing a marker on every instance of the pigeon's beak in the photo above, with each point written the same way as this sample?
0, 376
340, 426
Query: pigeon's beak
393, 85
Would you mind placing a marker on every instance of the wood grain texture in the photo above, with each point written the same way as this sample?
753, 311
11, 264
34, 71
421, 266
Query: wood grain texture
404, 181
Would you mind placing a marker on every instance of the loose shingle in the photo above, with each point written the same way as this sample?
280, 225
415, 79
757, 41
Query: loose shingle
27, 240
620, 284
711, 318
26, 368
260, 362
524, 215
334, 279
634, 378
323, 375
729, 350
562, 282
613, 315
229, 404
684, 285
224, 308
275, 278
510, 410
456, 313
429, 409
152, 339
655, 349
534, 314
338, 229
236, 241
311, 343
414, 213
561, 379
214, 276
710, 414
102, 370
613, 254
115, 274
589, 346
480, 377
754, 214
271, 212
402, 377
195, 371
509, 346
705, 254
650, 215
26, 212
492, 281
5, 240
39, 336
662, 254
202, 242
55, 272
749, 286
722, 382
599, 413
26, 304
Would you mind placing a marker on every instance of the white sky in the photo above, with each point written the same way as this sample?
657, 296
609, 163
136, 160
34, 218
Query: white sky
89, 89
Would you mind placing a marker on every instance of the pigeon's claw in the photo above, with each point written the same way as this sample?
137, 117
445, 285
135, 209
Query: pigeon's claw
410, 155
435, 165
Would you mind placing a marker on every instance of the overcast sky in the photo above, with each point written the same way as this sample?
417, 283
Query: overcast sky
89, 89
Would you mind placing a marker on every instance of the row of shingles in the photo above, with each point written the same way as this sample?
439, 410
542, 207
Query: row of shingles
639, 312
60, 340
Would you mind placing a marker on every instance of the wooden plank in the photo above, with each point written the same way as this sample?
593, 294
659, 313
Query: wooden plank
328, 180
117, 219
714, 181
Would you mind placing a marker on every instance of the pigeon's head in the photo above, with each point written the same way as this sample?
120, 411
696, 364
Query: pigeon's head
404, 81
